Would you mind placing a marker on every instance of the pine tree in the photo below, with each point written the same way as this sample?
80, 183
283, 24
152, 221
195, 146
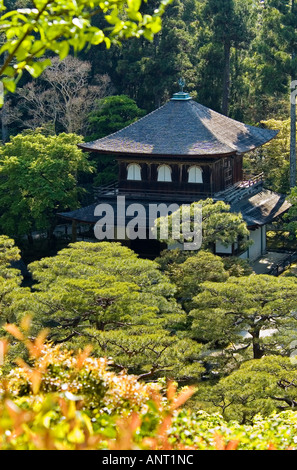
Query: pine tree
104, 295
245, 317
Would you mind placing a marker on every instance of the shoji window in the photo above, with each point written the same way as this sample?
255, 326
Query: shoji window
164, 173
195, 175
134, 172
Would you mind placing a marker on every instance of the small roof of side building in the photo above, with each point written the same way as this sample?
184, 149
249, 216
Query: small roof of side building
257, 210
261, 208
183, 127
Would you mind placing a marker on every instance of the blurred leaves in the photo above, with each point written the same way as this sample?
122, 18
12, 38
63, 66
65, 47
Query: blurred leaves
59, 25
80, 404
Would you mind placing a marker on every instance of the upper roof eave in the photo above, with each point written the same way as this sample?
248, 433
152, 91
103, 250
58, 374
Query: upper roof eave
183, 128
152, 155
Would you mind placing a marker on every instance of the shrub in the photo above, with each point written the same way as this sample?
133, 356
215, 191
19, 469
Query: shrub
59, 400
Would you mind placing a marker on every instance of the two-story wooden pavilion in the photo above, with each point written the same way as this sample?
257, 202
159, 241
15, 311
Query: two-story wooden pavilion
184, 152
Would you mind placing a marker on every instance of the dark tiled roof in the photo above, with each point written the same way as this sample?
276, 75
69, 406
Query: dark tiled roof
262, 208
84, 214
183, 128
259, 209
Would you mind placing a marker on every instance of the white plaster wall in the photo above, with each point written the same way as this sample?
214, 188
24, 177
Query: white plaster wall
264, 246
255, 250
221, 249
244, 255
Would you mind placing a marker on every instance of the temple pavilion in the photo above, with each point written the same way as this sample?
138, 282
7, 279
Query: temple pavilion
184, 152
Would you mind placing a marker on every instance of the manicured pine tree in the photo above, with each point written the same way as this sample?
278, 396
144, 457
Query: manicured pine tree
245, 317
259, 387
104, 295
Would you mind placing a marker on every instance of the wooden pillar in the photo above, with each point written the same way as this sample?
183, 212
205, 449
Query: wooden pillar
149, 172
74, 231
211, 179
181, 167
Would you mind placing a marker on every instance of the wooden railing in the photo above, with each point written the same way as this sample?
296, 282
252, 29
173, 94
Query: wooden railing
112, 189
232, 194
251, 181
280, 267
241, 189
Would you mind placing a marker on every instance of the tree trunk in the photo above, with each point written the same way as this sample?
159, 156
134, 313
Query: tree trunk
226, 78
30, 239
74, 231
4, 128
293, 126
293, 142
51, 238
257, 351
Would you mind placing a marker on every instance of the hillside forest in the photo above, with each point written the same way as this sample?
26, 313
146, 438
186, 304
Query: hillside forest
101, 348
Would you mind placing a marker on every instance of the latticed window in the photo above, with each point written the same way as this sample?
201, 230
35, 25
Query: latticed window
134, 172
164, 173
195, 175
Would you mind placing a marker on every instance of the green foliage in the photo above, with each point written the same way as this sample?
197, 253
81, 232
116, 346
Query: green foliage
8, 253
112, 114
244, 317
148, 72
272, 55
169, 258
191, 44
199, 267
230, 23
258, 387
38, 178
60, 25
218, 225
190, 275
273, 158
210, 431
103, 294
237, 267
61, 400
147, 318
124, 306
66, 401
10, 278
188, 270
290, 217
61, 371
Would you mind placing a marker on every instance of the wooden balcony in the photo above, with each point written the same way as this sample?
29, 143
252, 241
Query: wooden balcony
169, 193
233, 194
241, 189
